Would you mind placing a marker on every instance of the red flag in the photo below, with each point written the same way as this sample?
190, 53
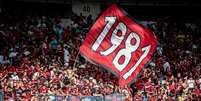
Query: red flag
119, 44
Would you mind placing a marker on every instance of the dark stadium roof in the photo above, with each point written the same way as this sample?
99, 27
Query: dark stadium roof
133, 7
129, 2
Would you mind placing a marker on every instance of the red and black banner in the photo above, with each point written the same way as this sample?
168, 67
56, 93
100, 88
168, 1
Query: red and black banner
119, 44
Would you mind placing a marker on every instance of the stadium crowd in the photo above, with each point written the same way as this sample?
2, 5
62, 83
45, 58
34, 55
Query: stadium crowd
40, 56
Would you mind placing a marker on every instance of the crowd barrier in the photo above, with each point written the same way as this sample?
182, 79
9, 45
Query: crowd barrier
49, 97
111, 97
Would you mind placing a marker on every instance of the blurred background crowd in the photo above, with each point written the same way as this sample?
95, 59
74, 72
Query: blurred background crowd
39, 60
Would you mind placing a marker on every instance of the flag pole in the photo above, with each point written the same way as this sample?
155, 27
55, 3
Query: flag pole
76, 59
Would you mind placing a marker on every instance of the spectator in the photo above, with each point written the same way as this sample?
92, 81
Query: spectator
39, 57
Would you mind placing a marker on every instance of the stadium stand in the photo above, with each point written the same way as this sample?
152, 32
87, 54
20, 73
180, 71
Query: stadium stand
39, 61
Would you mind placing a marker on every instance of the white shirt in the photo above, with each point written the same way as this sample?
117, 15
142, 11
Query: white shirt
152, 64
15, 77
27, 53
82, 66
200, 83
190, 83
13, 54
159, 50
194, 46
36, 75
166, 66
66, 56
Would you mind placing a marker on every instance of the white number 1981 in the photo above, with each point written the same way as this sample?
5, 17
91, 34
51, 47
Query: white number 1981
116, 41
